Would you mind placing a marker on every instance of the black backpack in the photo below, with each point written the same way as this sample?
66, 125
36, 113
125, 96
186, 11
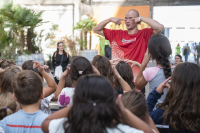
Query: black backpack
185, 51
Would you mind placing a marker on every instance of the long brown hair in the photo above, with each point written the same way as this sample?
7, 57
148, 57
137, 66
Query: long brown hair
104, 67
160, 50
6, 77
125, 71
136, 103
7, 105
182, 100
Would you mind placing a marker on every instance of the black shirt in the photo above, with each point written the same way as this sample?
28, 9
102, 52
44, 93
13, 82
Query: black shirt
58, 60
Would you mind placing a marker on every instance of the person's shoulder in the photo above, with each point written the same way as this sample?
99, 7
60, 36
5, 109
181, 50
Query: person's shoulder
40, 114
12, 117
54, 53
151, 69
123, 128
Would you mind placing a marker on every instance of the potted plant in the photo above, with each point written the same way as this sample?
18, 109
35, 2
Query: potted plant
20, 38
85, 26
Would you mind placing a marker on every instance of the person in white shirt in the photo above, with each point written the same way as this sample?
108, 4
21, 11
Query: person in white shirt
94, 110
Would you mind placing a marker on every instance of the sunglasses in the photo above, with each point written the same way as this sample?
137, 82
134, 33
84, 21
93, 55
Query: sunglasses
60, 42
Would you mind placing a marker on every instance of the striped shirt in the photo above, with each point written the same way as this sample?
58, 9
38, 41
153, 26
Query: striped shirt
22, 122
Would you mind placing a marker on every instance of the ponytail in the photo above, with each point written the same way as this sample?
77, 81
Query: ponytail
164, 61
160, 50
7, 105
5, 112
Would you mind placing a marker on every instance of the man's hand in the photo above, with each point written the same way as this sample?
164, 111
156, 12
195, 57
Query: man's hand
137, 20
117, 21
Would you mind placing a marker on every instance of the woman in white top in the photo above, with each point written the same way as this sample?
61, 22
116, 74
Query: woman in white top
94, 110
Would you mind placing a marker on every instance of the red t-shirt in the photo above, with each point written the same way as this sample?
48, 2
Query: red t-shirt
125, 46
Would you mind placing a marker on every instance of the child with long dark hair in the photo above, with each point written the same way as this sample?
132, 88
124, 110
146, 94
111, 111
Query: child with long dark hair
135, 102
94, 110
79, 66
159, 49
180, 109
126, 73
103, 65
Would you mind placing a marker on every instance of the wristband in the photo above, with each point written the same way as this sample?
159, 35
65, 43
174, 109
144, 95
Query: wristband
140, 19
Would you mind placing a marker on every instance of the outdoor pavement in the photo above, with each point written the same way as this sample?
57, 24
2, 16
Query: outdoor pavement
172, 60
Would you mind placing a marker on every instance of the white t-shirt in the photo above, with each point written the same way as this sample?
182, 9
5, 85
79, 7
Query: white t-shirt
56, 126
66, 97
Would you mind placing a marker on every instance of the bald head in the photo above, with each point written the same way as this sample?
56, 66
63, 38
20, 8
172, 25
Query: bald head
134, 11
130, 19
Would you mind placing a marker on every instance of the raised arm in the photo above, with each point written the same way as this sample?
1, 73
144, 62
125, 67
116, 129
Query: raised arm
133, 63
156, 26
140, 80
152, 99
124, 84
61, 83
50, 82
99, 28
131, 119
59, 114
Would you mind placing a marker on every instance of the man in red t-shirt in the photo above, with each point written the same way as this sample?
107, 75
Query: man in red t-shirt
132, 43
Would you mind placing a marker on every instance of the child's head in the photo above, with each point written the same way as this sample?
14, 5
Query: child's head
27, 87
104, 67
36, 71
7, 63
7, 105
94, 98
160, 50
68, 82
6, 78
27, 65
178, 59
136, 103
126, 73
183, 98
80, 66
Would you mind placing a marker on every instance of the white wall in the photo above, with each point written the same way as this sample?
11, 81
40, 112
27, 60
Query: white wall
180, 16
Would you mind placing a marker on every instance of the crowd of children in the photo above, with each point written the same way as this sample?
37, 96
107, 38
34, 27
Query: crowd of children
100, 96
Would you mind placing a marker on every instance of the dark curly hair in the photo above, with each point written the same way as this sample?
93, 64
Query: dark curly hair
181, 104
80, 64
104, 67
160, 50
126, 73
94, 106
